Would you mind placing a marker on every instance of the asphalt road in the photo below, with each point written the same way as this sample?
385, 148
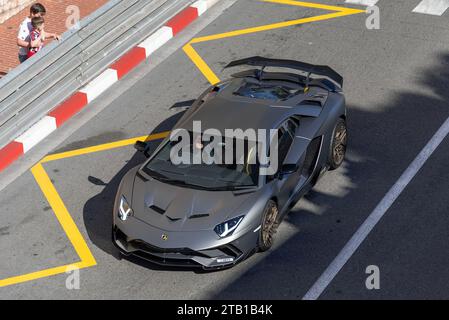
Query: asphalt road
396, 81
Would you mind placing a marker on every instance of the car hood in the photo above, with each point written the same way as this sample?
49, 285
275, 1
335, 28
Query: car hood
174, 208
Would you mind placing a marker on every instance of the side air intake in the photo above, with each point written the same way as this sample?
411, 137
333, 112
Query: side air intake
313, 103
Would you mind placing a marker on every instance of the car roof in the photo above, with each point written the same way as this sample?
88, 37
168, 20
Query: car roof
229, 111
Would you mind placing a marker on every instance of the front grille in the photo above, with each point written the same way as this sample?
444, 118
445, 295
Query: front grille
166, 261
176, 257
143, 246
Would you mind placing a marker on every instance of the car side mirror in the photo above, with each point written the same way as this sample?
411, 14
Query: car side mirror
142, 146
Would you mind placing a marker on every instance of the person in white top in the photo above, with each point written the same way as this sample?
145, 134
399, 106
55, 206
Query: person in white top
23, 38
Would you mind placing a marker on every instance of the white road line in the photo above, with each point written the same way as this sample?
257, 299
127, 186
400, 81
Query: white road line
363, 2
433, 7
353, 244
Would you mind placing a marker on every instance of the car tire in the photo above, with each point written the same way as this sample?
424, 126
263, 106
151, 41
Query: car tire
338, 145
269, 226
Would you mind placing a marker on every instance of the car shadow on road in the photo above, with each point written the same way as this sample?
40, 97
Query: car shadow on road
384, 141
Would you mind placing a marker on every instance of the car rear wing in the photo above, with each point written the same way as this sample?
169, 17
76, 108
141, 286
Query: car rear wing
291, 64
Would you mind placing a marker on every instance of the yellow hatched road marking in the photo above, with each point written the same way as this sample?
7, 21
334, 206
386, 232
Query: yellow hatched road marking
61, 212
269, 27
213, 78
103, 147
40, 274
316, 6
201, 64
63, 215
50, 192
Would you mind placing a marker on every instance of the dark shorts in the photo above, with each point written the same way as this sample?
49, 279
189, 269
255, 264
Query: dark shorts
22, 58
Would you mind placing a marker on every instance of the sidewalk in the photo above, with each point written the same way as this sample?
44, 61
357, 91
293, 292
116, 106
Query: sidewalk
55, 21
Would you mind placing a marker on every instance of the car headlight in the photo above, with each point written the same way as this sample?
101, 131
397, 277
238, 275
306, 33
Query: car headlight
124, 210
227, 228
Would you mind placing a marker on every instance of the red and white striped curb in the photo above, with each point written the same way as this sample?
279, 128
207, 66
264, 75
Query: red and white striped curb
58, 116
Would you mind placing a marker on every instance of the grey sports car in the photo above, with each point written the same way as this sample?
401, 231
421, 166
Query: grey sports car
214, 215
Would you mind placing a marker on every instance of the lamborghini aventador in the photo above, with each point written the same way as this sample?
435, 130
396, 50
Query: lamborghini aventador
214, 215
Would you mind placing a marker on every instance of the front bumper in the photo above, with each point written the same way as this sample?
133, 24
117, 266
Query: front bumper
222, 256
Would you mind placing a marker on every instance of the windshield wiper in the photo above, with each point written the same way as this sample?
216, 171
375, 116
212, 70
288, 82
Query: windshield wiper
196, 186
155, 174
158, 176
232, 188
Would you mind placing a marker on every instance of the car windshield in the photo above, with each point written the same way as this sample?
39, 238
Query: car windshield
239, 174
264, 92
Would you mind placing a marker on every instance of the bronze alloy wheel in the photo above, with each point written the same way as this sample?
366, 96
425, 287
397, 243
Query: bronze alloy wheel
269, 226
339, 144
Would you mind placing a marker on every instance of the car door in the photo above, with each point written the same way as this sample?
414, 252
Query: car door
310, 161
288, 182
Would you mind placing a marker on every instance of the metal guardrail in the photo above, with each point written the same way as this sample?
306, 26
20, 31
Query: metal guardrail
34, 88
